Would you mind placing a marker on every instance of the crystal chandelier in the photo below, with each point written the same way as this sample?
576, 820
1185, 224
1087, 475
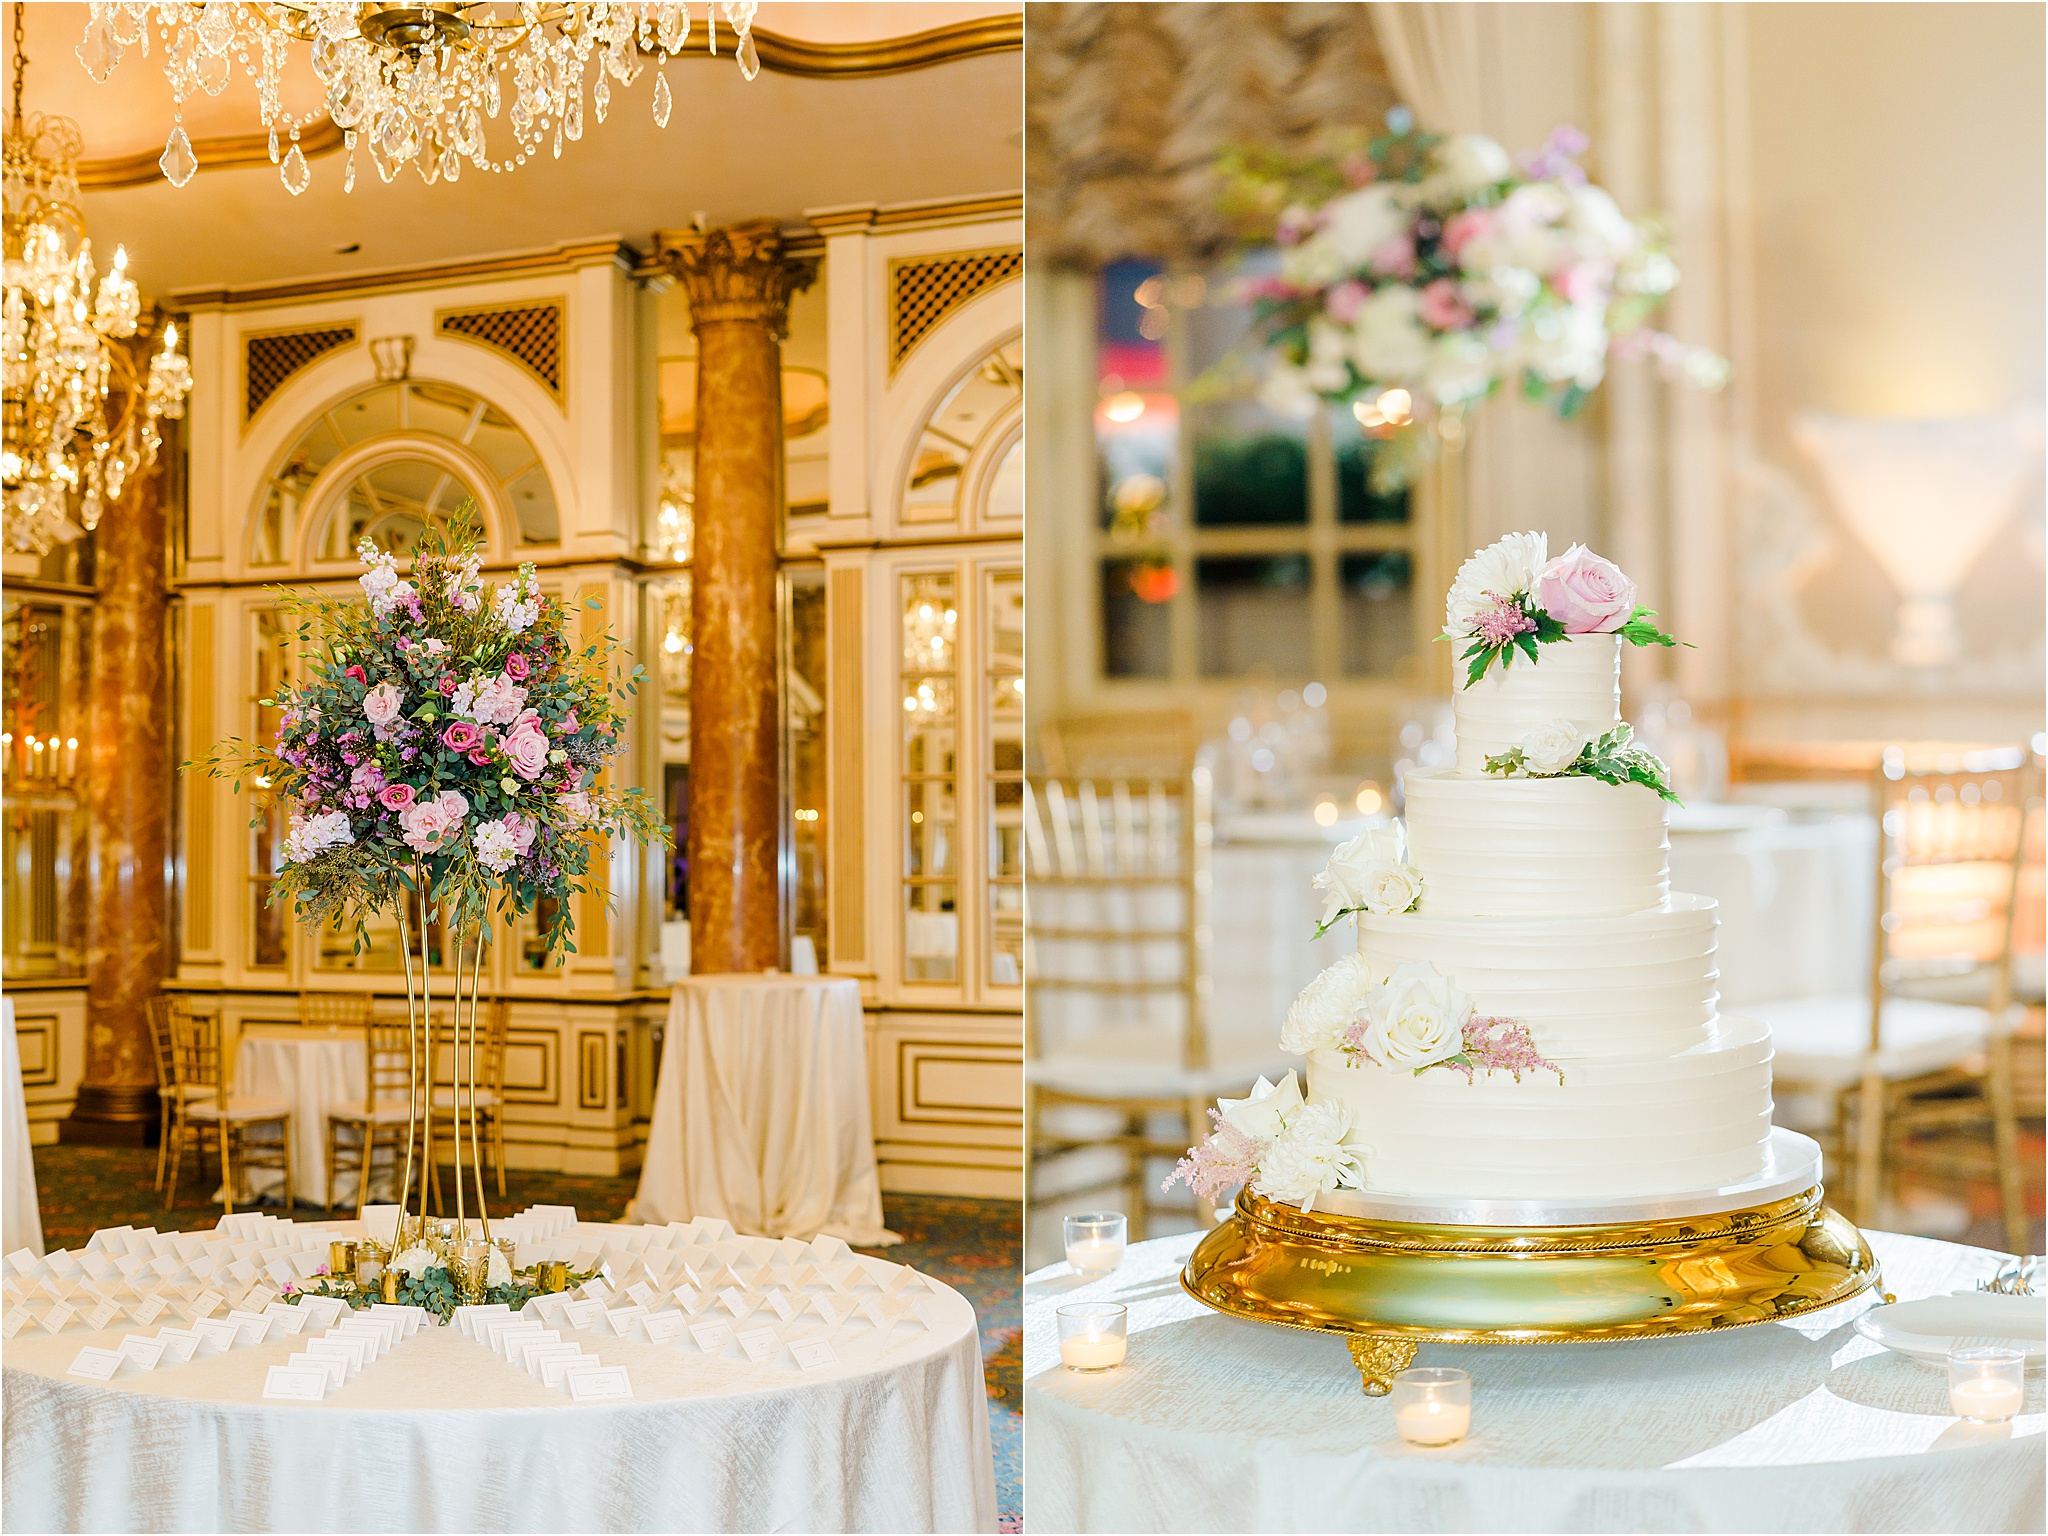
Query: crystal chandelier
63, 459
412, 84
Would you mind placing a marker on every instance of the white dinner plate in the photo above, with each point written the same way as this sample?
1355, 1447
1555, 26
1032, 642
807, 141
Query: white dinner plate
1927, 1329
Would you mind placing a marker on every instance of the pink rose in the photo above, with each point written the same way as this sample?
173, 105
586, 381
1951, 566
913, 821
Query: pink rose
1586, 594
381, 703
517, 667
432, 825
1345, 300
570, 726
575, 805
1395, 257
481, 757
526, 744
1461, 229
358, 674
522, 829
396, 797
1441, 307
1584, 282
498, 700
461, 736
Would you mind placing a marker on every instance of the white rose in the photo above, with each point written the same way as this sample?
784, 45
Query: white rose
1392, 889
1359, 223
1389, 344
1568, 343
414, 1262
1315, 1154
1505, 568
1464, 164
1552, 748
499, 1270
1327, 1007
1343, 880
1418, 1019
1262, 1113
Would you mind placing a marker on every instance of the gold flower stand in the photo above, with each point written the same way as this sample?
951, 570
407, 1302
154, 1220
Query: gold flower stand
1394, 1272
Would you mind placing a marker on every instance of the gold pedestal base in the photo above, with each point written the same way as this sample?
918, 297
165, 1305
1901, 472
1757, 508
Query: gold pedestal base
1391, 1286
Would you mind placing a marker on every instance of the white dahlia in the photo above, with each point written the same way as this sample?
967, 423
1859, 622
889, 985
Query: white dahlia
1506, 568
1311, 1157
1327, 1007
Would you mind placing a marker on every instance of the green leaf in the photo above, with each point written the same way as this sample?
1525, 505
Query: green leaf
1527, 642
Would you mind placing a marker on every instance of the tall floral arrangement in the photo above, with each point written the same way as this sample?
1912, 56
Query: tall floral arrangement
1418, 274
447, 740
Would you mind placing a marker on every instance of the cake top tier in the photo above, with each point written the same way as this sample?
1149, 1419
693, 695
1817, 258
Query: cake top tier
1577, 678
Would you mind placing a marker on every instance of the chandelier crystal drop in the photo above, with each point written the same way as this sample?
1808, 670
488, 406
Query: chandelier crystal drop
66, 456
413, 84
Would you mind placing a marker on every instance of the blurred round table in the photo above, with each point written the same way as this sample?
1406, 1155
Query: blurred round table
1795, 898
314, 1071
761, 1110
1220, 1424
21, 1222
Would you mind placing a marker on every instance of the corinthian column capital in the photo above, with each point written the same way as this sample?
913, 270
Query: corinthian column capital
740, 272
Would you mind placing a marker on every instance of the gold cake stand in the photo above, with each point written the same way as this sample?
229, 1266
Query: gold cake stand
1392, 1273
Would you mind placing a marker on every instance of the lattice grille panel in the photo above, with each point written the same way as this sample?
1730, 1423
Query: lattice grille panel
267, 361
531, 334
928, 291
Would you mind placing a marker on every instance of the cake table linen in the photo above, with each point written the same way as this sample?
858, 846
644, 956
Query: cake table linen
1219, 1424
761, 1110
443, 1435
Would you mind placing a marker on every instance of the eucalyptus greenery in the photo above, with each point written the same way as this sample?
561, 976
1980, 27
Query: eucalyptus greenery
1612, 758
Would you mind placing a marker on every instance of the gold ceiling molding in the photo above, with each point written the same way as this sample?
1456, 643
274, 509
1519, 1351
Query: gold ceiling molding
1127, 107
784, 55
560, 258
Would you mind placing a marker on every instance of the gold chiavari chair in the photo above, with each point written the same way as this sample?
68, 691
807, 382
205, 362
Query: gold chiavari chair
395, 1077
490, 1089
171, 1095
200, 1062
334, 1010
1929, 1047
1116, 1007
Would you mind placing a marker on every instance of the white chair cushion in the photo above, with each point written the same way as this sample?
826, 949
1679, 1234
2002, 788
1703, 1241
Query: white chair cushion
444, 1098
240, 1110
1824, 1042
384, 1114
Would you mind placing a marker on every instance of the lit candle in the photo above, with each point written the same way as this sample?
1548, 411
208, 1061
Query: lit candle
1095, 1256
1095, 1242
1093, 1351
1986, 1399
1433, 1423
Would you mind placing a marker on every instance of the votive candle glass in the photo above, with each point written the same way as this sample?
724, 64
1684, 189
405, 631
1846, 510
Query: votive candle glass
1094, 1335
1985, 1382
1095, 1242
1432, 1405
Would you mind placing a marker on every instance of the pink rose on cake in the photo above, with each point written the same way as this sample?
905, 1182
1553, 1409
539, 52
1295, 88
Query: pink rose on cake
1586, 594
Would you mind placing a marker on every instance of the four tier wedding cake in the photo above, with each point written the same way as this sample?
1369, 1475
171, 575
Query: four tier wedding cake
1531, 1011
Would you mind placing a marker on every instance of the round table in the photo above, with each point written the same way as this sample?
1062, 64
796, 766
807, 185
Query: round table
442, 1435
761, 1110
1218, 1424
315, 1071
21, 1220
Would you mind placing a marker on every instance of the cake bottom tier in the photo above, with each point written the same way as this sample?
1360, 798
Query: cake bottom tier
1666, 1125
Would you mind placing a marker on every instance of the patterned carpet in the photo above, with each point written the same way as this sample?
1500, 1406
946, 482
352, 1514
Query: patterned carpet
975, 1246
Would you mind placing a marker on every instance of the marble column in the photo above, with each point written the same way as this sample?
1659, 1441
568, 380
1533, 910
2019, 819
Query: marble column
739, 281
128, 806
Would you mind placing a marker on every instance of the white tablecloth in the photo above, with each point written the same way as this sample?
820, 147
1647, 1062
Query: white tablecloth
761, 1111
1218, 1424
1263, 909
313, 1072
441, 1435
1795, 898
21, 1218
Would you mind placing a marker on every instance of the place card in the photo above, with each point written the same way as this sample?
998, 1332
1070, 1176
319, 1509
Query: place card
825, 1249
17, 1319
295, 1383
205, 1304
813, 1354
871, 1309
103, 1315
736, 1301
147, 1353
711, 1337
583, 1314
601, 1384
180, 1344
641, 1293
62, 1262
689, 1299
324, 1310
661, 1327
60, 1313
903, 1279
759, 1343
780, 1304
97, 1364
333, 1367
843, 1274
147, 1310
249, 1329
622, 1318
549, 1309
596, 1290
507, 1340
469, 1319
352, 1347
524, 1347
377, 1338
710, 1229
830, 1308
217, 1335
554, 1369
284, 1319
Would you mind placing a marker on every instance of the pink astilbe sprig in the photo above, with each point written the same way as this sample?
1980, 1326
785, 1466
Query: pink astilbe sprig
1500, 1045
1501, 620
1222, 1160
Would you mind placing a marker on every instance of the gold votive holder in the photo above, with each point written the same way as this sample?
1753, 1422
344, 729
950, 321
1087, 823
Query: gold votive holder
553, 1275
389, 1281
341, 1259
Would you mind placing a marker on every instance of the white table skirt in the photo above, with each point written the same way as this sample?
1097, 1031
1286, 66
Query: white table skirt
1219, 1424
21, 1221
761, 1111
318, 1071
1795, 899
441, 1435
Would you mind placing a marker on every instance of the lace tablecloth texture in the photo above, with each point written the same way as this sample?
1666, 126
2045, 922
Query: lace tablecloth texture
442, 1435
761, 1111
1217, 1424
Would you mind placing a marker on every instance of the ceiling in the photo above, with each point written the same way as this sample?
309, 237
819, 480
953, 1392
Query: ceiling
732, 150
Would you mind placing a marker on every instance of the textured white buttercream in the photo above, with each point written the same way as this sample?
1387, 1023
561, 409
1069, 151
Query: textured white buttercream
1577, 678
1571, 847
1664, 1125
1613, 988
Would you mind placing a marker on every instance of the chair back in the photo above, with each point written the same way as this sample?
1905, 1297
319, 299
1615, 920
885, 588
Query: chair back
396, 1064
1950, 843
162, 1046
1136, 745
197, 1058
1118, 939
334, 1010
